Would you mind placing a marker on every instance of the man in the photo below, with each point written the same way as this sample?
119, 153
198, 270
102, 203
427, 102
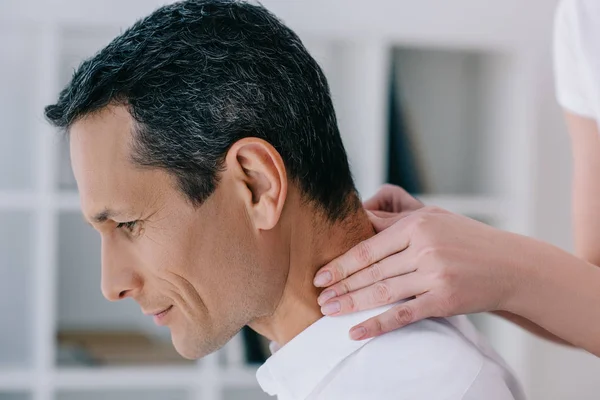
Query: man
207, 154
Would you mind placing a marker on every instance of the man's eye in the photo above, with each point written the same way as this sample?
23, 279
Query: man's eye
129, 226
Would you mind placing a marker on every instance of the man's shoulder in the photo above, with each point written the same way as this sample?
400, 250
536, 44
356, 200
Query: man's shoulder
429, 359
429, 349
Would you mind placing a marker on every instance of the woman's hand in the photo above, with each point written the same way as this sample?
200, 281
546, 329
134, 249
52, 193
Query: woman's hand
443, 264
393, 199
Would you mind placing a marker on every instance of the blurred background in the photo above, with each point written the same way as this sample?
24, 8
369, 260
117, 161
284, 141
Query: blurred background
454, 100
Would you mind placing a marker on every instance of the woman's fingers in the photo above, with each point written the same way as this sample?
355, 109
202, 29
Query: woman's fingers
368, 252
394, 199
397, 317
381, 293
394, 265
382, 220
382, 201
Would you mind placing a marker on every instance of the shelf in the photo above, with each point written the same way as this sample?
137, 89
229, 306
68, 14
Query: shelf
13, 380
146, 393
127, 394
245, 394
471, 118
116, 348
14, 396
239, 377
68, 200
65, 180
17, 111
462, 105
450, 130
16, 281
11, 200
131, 377
147, 377
18, 200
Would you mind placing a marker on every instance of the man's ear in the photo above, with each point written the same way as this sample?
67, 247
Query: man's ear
261, 178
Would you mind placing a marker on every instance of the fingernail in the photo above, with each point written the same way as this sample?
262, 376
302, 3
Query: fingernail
326, 295
357, 333
331, 308
323, 278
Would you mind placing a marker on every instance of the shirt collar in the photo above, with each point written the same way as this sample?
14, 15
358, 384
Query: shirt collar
296, 369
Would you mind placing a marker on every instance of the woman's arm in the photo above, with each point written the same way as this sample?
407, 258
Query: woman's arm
561, 294
585, 143
531, 327
447, 264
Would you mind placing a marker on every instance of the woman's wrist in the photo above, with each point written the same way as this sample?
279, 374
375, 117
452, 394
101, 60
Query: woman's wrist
526, 260
555, 290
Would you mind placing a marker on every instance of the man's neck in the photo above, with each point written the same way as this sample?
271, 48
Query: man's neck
311, 248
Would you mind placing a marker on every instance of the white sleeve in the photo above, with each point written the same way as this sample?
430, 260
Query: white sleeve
572, 92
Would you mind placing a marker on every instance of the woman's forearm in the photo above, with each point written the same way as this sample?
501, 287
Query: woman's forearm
557, 291
531, 327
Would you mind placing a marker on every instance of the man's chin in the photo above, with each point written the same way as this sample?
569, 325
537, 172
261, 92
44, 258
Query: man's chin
189, 350
192, 348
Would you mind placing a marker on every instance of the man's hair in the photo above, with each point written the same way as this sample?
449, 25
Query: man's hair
199, 75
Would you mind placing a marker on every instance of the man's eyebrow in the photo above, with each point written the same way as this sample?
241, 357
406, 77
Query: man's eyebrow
103, 216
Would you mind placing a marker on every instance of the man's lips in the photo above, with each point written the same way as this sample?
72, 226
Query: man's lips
161, 318
158, 313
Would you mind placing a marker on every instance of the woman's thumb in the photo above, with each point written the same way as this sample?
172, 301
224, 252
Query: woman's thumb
382, 220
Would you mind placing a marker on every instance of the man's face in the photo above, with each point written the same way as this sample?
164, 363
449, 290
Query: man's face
205, 271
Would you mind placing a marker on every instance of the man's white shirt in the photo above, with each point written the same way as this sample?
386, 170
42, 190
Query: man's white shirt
435, 359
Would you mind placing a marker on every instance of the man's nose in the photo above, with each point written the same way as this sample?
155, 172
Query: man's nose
119, 278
